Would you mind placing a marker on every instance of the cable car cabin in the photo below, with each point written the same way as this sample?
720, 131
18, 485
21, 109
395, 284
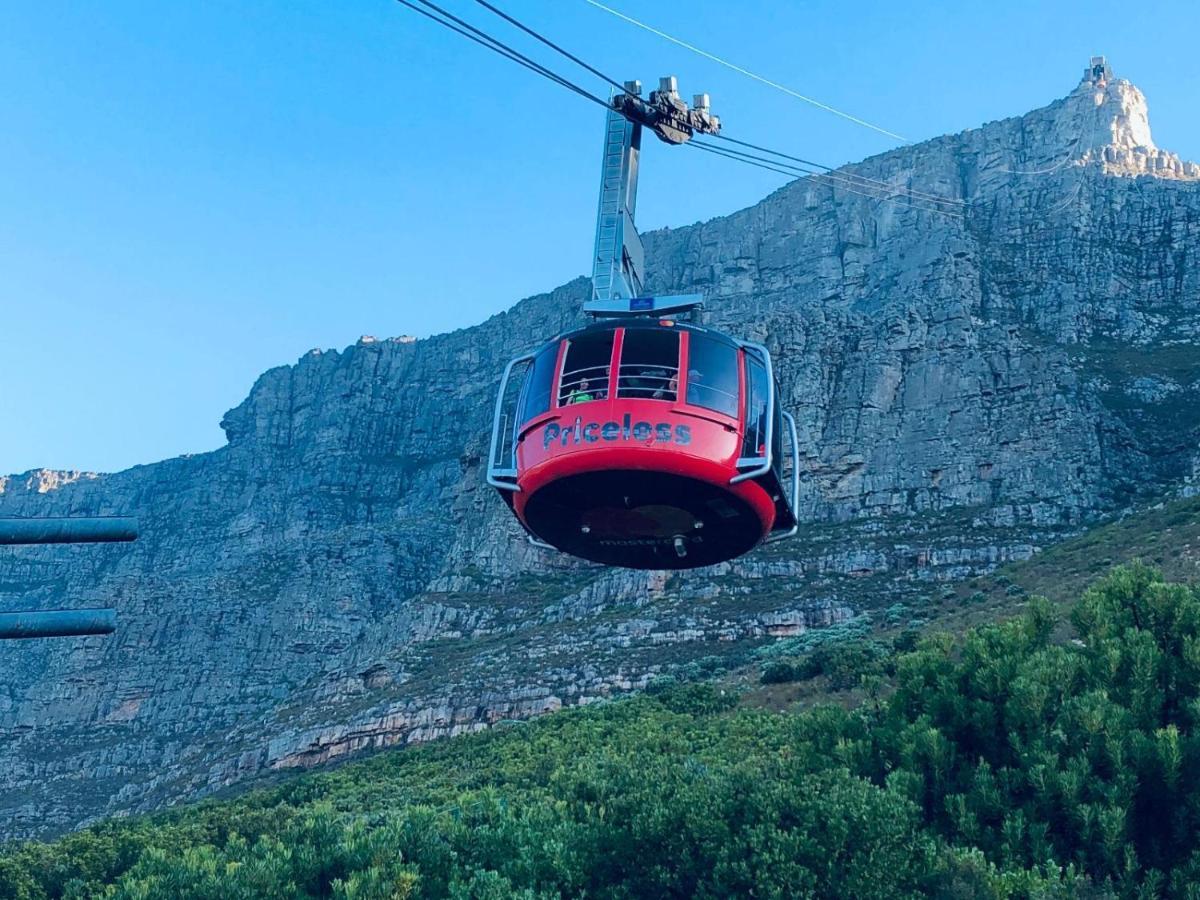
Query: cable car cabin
648, 444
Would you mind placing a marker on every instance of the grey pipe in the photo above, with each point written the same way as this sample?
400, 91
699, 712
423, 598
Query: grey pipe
68, 530
57, 623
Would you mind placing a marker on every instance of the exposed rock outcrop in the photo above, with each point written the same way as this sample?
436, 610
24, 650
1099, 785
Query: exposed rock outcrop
970, 383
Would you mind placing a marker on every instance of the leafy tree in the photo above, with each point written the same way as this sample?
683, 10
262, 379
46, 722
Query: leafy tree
1012, 763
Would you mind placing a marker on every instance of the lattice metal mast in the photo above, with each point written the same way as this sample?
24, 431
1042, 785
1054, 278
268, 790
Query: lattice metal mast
619, 261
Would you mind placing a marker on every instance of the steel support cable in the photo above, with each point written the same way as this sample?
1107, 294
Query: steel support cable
499, 47
1054, 168
846, 176
839, 178
487, 41
924, 195
779, 87
496, 46
620, 87
549, 43
796, 172
833, 176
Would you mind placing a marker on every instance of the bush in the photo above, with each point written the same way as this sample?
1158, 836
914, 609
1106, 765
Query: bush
906, 640
779, 671
1004, 765
846, 663
696, 699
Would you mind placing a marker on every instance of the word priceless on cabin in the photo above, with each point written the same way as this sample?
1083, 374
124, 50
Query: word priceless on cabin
625, 430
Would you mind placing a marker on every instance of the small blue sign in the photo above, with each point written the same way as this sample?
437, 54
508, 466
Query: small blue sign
641, 304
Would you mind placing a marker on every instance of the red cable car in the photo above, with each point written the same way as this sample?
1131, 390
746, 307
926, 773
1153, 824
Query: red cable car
649, 444
641, 441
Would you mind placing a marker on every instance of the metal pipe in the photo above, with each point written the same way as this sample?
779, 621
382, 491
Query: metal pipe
759, 470
57, 623
496, 476
68, 530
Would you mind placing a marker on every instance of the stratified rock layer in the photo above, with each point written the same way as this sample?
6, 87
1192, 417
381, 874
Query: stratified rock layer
973, 377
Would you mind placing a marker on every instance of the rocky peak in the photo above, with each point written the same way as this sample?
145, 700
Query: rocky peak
43, 481
976, 370
1107, 121
1118, 111
1103, 124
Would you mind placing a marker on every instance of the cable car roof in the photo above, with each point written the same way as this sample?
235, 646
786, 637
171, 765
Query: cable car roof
641, 322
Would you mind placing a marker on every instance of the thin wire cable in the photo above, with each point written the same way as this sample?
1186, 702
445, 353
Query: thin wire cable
748, 73
496, 46
796, 173
1059, 207
849, 176
800, 173
818, 170
699, 146
925, 195
1054, 168
834, 177
1068, 202
506, 50
549, 43
843, 180
620, 87
515, 56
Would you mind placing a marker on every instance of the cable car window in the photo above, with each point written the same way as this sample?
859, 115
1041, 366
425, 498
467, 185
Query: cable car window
535, 396
649, 364
712, 380
754, 443
585, 369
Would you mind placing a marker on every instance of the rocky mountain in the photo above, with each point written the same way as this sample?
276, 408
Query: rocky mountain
974, 379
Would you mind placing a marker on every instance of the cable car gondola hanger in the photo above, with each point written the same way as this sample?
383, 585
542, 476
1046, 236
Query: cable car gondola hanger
642, 440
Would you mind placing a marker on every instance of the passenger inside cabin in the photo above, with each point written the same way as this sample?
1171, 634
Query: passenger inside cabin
582, 393
654, 383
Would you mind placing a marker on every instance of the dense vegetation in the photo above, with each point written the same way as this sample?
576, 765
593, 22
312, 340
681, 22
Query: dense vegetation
1030, 759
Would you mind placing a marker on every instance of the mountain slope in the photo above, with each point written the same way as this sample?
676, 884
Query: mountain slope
985, 771
337, 577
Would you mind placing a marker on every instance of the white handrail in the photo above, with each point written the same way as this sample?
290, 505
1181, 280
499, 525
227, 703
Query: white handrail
764, 467
494, 472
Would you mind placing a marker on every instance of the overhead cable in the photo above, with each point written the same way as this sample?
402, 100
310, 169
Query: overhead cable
775, 84
797, 172
496, 46
1054, 168
549, 43
842, 173
620, 87
784, 165
833, 176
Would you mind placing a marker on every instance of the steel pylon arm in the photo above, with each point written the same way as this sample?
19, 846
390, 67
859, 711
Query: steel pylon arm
63, 530
618, 262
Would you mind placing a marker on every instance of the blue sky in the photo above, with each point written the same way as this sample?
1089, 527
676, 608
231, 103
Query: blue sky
193, 193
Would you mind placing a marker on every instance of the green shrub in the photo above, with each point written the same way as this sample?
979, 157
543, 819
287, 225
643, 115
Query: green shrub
1008, 765
779, 671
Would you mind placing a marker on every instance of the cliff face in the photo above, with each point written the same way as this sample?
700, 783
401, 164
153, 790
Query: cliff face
969, 386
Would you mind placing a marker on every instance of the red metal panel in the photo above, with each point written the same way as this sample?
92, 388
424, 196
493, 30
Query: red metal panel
652, 435
661, 428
